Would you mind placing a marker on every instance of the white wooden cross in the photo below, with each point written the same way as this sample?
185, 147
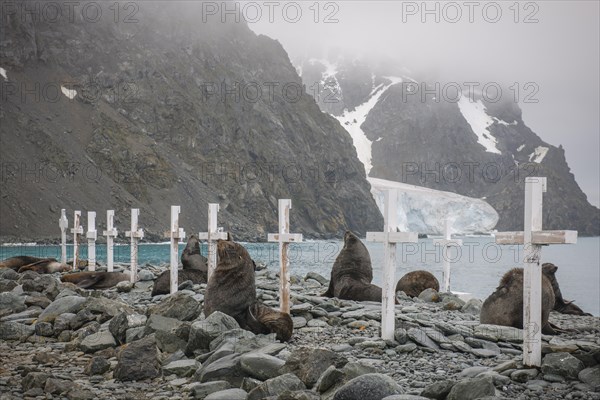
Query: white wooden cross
175, 234
284, 238
110, 234
135, 234
91, 236
63, 222
211, 236
533, 238
76, 230
389, 237
446, 243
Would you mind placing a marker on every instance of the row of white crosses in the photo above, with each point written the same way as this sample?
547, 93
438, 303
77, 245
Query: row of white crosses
533, 238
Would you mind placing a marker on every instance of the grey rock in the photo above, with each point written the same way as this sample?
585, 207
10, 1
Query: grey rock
406, 348
9, 274
563, 364
524, 375
107, 308
181, 367
317, 277
63, 322
145, 275
44, 329
201, 390
261, 366
498, 333
309, 363
472, 372
420, 337
328, 379
34, 380
11, 303
371, 386
97, 341
138, 361
157, 323
354, 369
236, 336
57, 386
124, 287
134, 334
438, 390
275, 386
6, 285
401, 335
590, 376
429, 295
123, 321
97, 366
62, 305
472, 306
228, 394
204, 332
405, 397
12, 330
180, 306
224, 369
37, 301
472, 388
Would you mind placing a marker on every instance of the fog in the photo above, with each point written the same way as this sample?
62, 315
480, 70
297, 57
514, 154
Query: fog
554, 44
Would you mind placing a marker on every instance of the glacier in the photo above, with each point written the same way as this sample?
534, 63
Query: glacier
425, 210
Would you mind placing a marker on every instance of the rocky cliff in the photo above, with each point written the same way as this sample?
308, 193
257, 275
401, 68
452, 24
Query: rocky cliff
165, 109
462, 143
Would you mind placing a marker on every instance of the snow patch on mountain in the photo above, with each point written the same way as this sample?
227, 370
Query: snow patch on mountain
425, 210
538, 154
3, 73
521, 147
352, 120
474, 113
70, 93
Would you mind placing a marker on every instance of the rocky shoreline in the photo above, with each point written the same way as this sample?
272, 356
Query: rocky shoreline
59, 341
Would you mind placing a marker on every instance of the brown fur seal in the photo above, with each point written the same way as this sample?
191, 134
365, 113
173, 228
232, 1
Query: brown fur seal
191, 257
81, 264
415, 282
95, 280
15, 263
48, 266
352, 273
231, 290
505, 306
560, 305
162, 285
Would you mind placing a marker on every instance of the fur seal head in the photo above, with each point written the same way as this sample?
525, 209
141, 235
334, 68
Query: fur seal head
191, 258
414, 282
48, 266
560, 304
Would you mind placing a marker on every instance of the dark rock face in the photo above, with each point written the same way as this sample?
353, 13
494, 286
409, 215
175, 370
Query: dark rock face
138, 361
430, 143
152, 125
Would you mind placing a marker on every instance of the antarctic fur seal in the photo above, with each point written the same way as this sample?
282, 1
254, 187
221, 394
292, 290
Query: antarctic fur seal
162, 285
352, 273
47, 266
232, 290
505, 306
95, 280
191, 258
17, 262
560, 305
415, 282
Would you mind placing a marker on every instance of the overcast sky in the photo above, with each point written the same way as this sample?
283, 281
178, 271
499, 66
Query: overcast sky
557, 49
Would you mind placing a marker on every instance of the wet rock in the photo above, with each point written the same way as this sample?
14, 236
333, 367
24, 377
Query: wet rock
275, 386
180, 306
138, 361
371, 386
562, 364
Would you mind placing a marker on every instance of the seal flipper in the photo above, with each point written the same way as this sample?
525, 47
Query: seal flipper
90, 281
329, 292
262, 319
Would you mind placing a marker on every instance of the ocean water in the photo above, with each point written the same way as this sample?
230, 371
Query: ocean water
476, 267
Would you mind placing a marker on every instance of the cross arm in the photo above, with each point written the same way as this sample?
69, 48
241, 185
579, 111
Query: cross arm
393, 237
538, 237
284, 237
213, 235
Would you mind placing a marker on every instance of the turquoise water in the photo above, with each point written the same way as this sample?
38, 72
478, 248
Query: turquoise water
477, 267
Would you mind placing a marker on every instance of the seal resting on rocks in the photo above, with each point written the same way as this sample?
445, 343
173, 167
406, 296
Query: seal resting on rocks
162, 285
505, 306
415, 282
95, 280
232, 290
47, 266
560, 305
18, 262
352, 273
191, 258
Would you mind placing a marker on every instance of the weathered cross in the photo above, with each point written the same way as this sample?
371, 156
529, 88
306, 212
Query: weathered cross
390, 237
76, 230
284, 238
110, 234
446, 243
135, 234
211, 236
91, 236
63, 223
533, 238
175, 234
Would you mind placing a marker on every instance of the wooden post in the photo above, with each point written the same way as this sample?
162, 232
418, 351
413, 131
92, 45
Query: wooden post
63, 223
91, 236
390, 237
175, 234
110, 234
533, 238
211, 236
284, 238
77, 230
446, 243
135, 234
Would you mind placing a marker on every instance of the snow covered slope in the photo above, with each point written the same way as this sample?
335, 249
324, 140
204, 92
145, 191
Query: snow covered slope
425, 210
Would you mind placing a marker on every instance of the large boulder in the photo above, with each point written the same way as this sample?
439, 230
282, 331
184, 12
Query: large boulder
138, 361
261, 366
472, 388
276, 386
369, 386
62, 305
180, 306
205, 331
123, 321
309, 363
11, 303
562, 364
97, 341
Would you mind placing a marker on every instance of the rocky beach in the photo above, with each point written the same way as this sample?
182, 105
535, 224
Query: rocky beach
59, 341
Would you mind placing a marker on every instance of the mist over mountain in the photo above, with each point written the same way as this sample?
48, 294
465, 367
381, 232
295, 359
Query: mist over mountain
166, 111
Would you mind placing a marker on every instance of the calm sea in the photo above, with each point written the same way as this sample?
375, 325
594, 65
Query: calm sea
477, 266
